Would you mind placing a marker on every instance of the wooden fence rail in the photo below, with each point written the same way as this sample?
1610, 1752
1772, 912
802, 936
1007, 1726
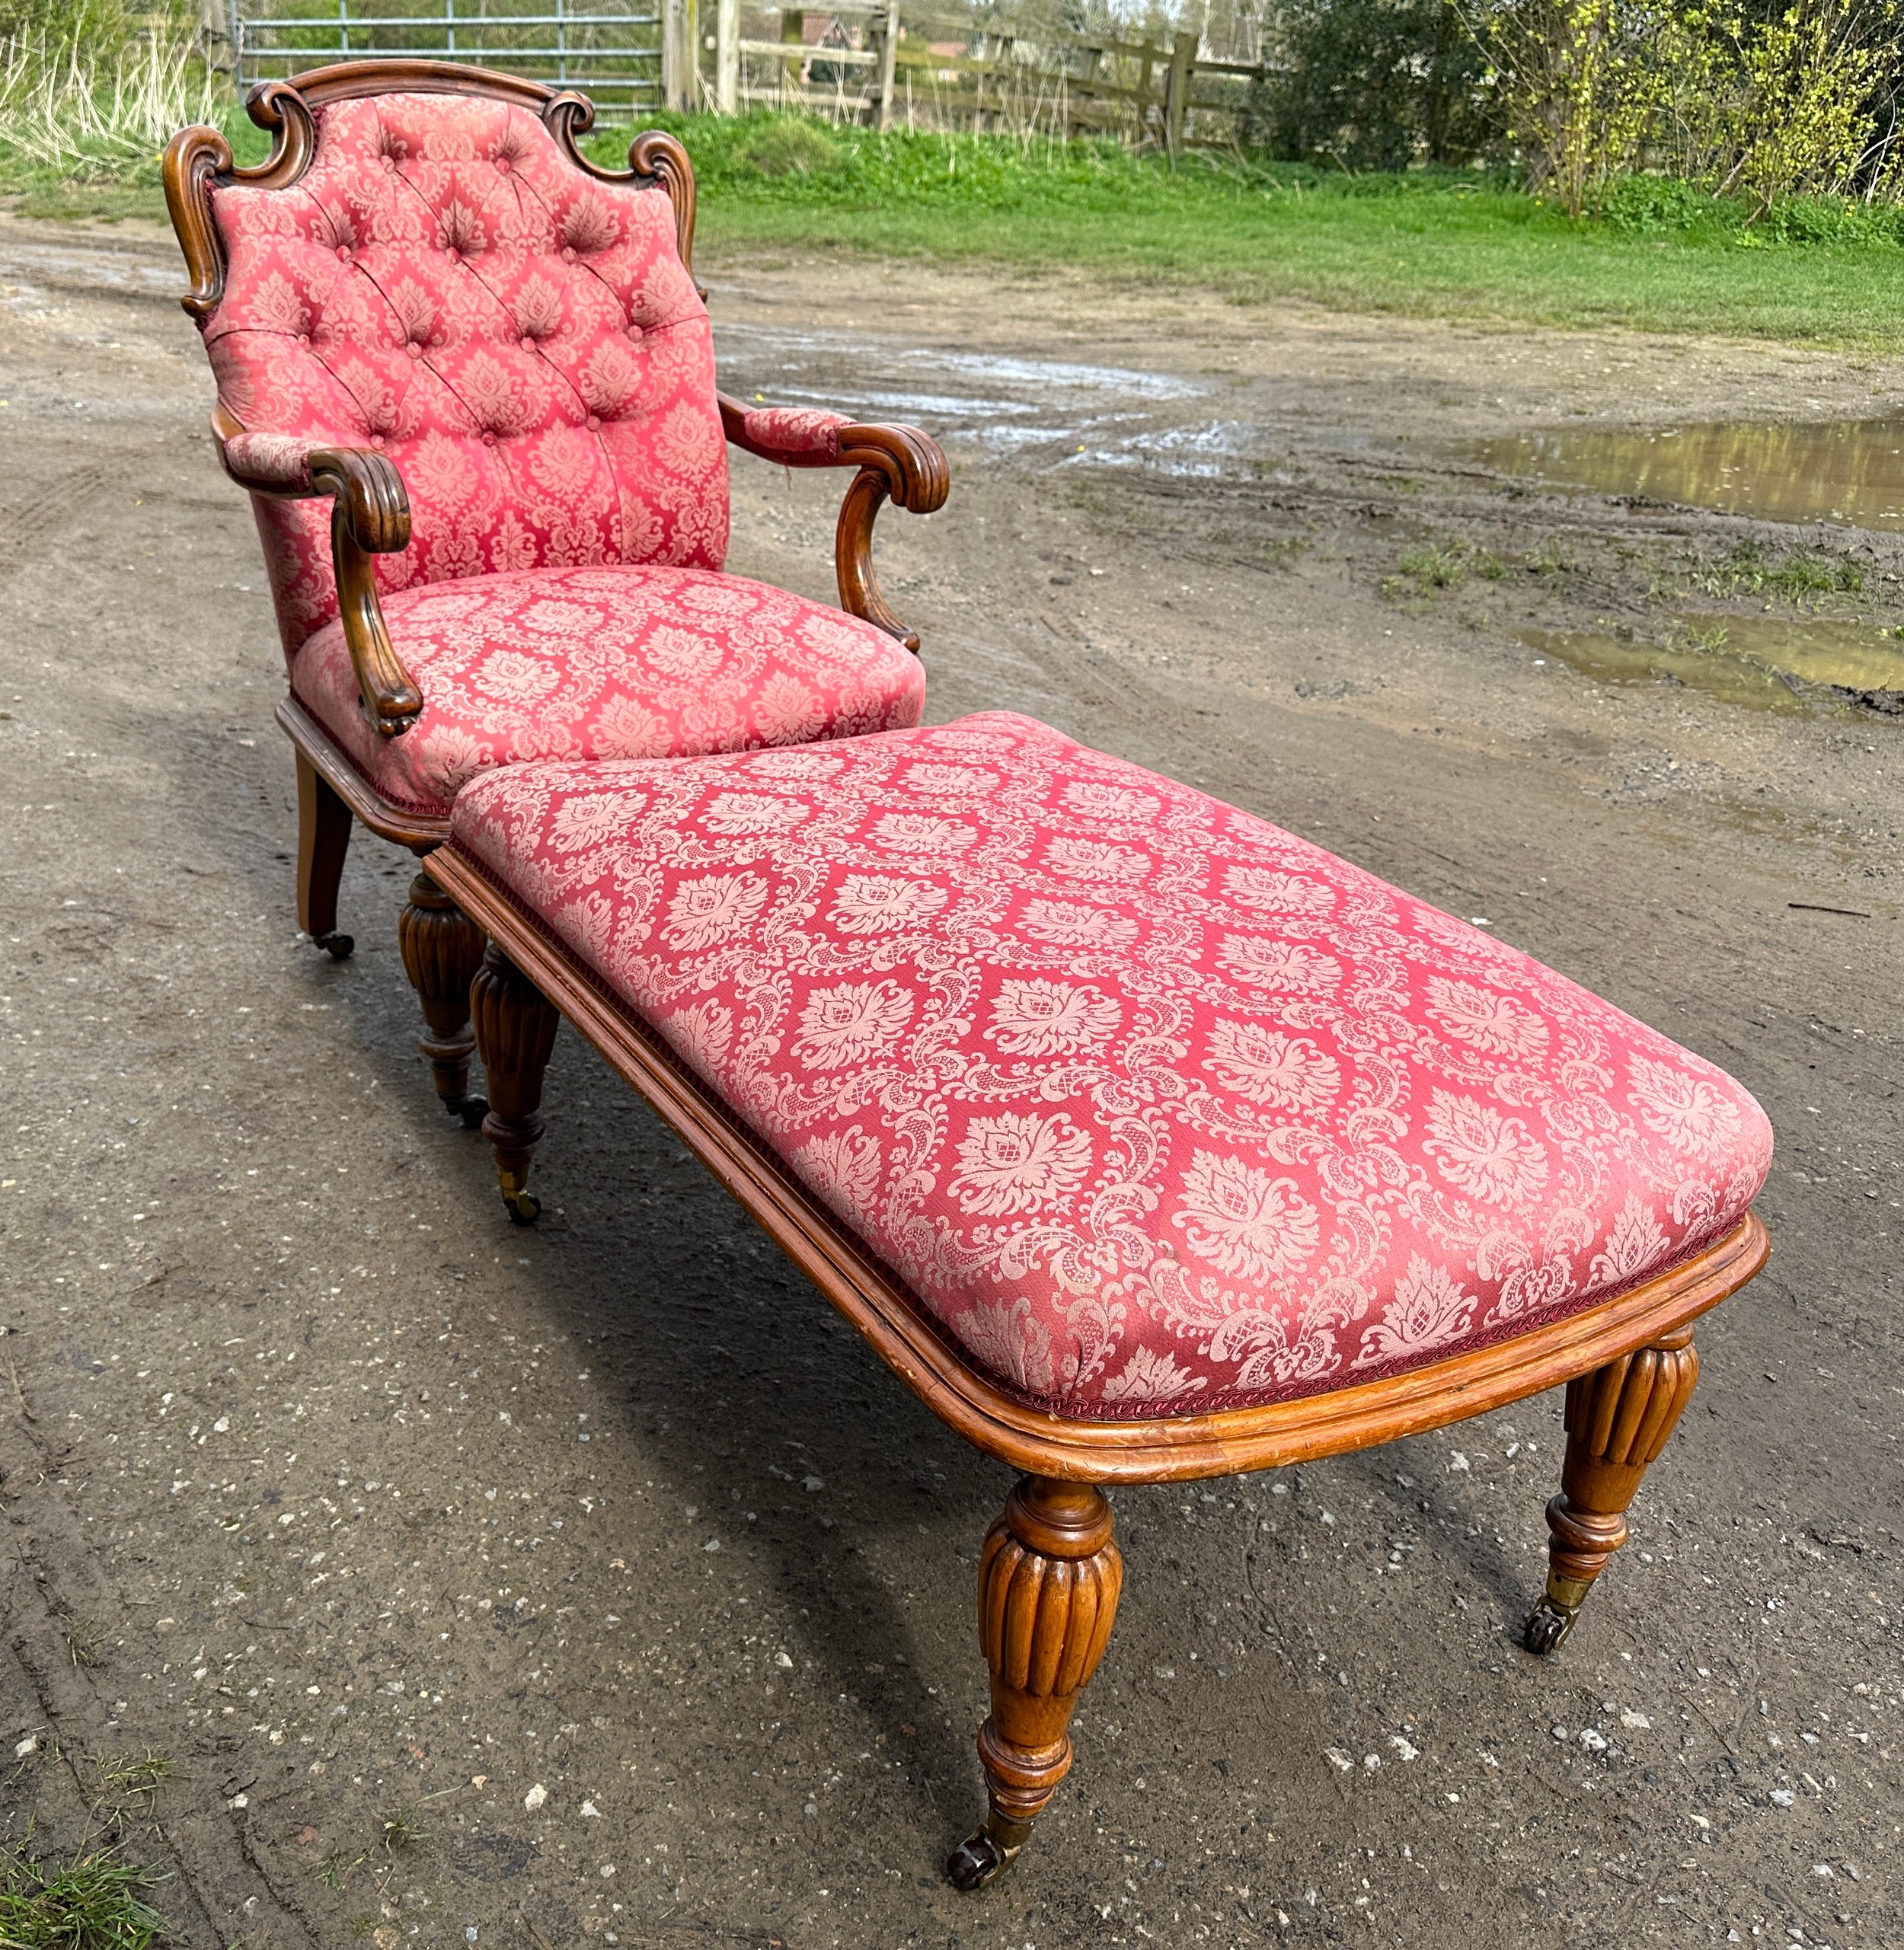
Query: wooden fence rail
1144, 92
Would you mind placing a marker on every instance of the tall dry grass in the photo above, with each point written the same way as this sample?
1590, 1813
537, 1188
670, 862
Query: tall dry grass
76, 106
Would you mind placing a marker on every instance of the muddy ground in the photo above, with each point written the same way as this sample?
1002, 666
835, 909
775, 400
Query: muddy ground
591, 1584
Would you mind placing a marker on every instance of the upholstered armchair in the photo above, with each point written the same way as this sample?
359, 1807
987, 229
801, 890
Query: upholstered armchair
467, 379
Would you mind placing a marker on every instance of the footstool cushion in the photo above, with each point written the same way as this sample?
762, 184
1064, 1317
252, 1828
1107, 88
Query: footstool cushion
1153, 1107
632, 661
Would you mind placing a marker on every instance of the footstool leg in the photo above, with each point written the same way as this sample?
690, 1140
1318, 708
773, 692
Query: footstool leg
1618, 1421
1048, 1578
323, 834
515, 1030
442, 947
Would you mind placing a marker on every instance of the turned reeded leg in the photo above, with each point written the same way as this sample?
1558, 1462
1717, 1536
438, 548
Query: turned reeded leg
324, 833
441, 949
1618, 1421
1048, 1578
515, 1030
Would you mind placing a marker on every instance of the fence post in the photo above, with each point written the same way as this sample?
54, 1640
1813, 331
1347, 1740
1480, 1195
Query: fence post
793, 28
889, 58
1182, 61
677, 57
727, 56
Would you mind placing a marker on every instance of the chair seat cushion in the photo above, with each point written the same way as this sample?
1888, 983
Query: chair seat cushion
1152, 1107
606, 662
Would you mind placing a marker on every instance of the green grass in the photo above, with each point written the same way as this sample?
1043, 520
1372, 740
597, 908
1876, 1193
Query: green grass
94, 1903
1663, 257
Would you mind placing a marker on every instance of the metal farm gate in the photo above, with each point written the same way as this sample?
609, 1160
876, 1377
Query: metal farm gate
615, 56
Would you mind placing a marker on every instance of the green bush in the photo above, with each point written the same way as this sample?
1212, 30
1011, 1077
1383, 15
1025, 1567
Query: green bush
1372, 84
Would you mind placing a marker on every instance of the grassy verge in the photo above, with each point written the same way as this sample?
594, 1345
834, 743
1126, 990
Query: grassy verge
1663, 258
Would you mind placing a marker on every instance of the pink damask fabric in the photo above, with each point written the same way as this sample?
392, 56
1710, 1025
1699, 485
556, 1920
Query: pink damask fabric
801, 436
1153, 1107
606, 663
520, 339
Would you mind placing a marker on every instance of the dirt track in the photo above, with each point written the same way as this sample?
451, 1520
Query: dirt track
361, 1508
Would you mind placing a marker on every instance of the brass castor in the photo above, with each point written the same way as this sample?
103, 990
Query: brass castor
1547, 1625
981, 1858
469, 1111
524, 1208
338, 946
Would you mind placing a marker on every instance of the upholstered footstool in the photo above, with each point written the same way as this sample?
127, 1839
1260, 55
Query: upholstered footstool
1144, 1139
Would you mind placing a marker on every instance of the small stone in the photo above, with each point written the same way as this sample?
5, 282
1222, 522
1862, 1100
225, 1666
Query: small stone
1458, 1462
1782, 1797
784, 1660
30, 1745
811, 1811
590, 1812
1628, 1718
535, 1797
1338, 1758
1593, 1740
1559, 1733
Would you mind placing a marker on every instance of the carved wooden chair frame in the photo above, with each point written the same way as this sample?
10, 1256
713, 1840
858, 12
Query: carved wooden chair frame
1050, 1573
370, 515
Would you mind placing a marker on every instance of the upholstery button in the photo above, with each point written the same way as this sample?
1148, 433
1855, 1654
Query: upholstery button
489, 439
502, 165
453, 254
595, 421
414, 349
303, 338
376, 439
528, 344
568, 253
343, 253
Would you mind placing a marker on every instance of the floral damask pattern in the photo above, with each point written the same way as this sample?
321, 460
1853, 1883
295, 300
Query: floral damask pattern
1152, 1106
520, 339
606, 663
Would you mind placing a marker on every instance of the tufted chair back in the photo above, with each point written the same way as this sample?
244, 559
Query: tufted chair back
519, 337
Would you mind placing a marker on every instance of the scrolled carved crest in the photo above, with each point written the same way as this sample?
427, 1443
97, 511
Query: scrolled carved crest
199, 158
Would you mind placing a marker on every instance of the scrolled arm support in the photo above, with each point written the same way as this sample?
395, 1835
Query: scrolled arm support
898, 463
369, 515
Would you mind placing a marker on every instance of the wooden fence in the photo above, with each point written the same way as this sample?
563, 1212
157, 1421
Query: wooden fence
855, 61
864, 67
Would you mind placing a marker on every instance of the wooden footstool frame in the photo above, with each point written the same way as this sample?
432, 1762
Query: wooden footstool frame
371, 516
1050, 1573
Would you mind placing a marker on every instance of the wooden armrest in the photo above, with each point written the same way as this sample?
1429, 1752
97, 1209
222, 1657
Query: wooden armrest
369, 515
898, 463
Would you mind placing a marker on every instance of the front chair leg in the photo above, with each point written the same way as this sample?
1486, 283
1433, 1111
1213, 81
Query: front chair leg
441, 949
323, 834
1618, 1421
1048, 1578
516, 1029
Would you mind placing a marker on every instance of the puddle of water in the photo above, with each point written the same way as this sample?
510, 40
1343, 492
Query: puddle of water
1107, 413
1849, 471
1765, 663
